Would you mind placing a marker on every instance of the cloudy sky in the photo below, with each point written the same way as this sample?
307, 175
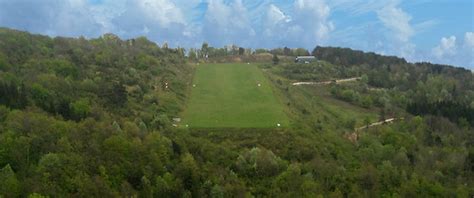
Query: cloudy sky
440, 31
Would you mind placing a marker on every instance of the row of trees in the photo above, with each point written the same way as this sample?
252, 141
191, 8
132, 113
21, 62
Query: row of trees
233, 50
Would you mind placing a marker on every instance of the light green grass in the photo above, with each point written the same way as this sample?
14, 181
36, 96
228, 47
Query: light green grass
228, 96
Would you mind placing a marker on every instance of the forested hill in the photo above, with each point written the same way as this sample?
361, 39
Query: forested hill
350, 57
94, 118
347, 56
65, 101
79, 78
435, 89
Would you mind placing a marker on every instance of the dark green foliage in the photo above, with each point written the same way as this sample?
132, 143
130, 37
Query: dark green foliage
286, 51
348, 57
65, 69
454, 111
3, 63
13, 95
114, 94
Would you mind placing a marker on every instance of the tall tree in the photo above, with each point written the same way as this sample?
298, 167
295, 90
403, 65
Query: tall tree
205, 50
9, 184
275, 59
241, 51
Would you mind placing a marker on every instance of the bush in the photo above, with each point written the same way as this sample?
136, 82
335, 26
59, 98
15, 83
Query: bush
80, 109
9, 184
349, 95
259, 162
366, 101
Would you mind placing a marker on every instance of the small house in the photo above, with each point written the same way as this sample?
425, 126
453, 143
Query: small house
305, 59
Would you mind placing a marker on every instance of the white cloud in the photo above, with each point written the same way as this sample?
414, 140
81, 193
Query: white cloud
469, 48
316, 8
81, 17
357, 7
65, 18
275, 15
314, 14
275, 23
227, 23
447, 47
218, 13
306, 25
156, 13
469, 39
450, 50
164, 12
302, 23
104, 13
400, 30
396, 20
71, 17
455, 51
77, 3
425, 26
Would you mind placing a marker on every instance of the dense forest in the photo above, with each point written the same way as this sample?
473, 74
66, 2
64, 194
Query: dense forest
94, 118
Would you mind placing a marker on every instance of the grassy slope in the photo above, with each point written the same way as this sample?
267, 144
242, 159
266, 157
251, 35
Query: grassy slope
321, 109
227, 95
324, 102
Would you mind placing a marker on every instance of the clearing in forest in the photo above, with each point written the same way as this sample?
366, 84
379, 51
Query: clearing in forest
232, 96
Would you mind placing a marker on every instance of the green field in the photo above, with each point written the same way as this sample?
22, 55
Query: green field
228, 96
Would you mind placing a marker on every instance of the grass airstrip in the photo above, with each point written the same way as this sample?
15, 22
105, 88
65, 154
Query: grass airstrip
232, 96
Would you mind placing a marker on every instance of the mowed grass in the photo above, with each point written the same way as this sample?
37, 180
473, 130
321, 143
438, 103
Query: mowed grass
228, 96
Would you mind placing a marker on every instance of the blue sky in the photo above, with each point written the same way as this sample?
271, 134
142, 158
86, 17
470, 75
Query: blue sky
439, 31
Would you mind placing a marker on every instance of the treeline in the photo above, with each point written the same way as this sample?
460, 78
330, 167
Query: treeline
206, 51
347, 56
285, 51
